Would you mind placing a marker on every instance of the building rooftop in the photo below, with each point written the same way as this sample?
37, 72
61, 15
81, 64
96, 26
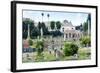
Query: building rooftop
67, 23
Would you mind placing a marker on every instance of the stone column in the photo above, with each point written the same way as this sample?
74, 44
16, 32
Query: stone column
67, 35
41, 33
64, 36
71, 35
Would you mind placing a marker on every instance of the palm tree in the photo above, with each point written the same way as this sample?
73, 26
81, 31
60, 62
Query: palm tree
48, 20
42, 22
48, 16
52, 25
42, 16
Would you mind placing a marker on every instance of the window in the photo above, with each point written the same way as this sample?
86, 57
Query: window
69, 35
73, 35
66, 35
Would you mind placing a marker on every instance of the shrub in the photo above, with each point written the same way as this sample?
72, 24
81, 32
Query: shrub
70, 49
30, 42
85, 41
39, 46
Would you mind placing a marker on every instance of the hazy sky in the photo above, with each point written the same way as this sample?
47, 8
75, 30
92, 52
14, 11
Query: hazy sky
75, 18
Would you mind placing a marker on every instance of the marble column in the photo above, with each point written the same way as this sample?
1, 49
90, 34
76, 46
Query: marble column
64, 37
28, 32
41, 33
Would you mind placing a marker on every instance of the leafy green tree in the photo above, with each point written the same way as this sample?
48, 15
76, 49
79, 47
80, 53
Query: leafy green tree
34, 33
56, 33
31, 28
39, 25
30, 42
43, 25
70, 49
85, 26
31, 25
58, 25
25, 34
89, 19
45, 29
27, 22
25, 29
52, 25
25, 26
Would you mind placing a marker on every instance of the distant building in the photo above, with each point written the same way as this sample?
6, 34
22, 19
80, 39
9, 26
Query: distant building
69, 31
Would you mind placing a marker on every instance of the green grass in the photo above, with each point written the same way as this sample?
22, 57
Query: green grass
48, 56
45, 57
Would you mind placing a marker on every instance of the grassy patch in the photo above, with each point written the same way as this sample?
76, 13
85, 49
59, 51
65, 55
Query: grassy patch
84, 53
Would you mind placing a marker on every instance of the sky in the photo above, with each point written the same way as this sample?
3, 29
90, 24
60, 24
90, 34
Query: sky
75, 17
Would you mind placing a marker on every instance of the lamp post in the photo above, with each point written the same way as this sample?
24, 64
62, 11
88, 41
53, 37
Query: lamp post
28, 32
